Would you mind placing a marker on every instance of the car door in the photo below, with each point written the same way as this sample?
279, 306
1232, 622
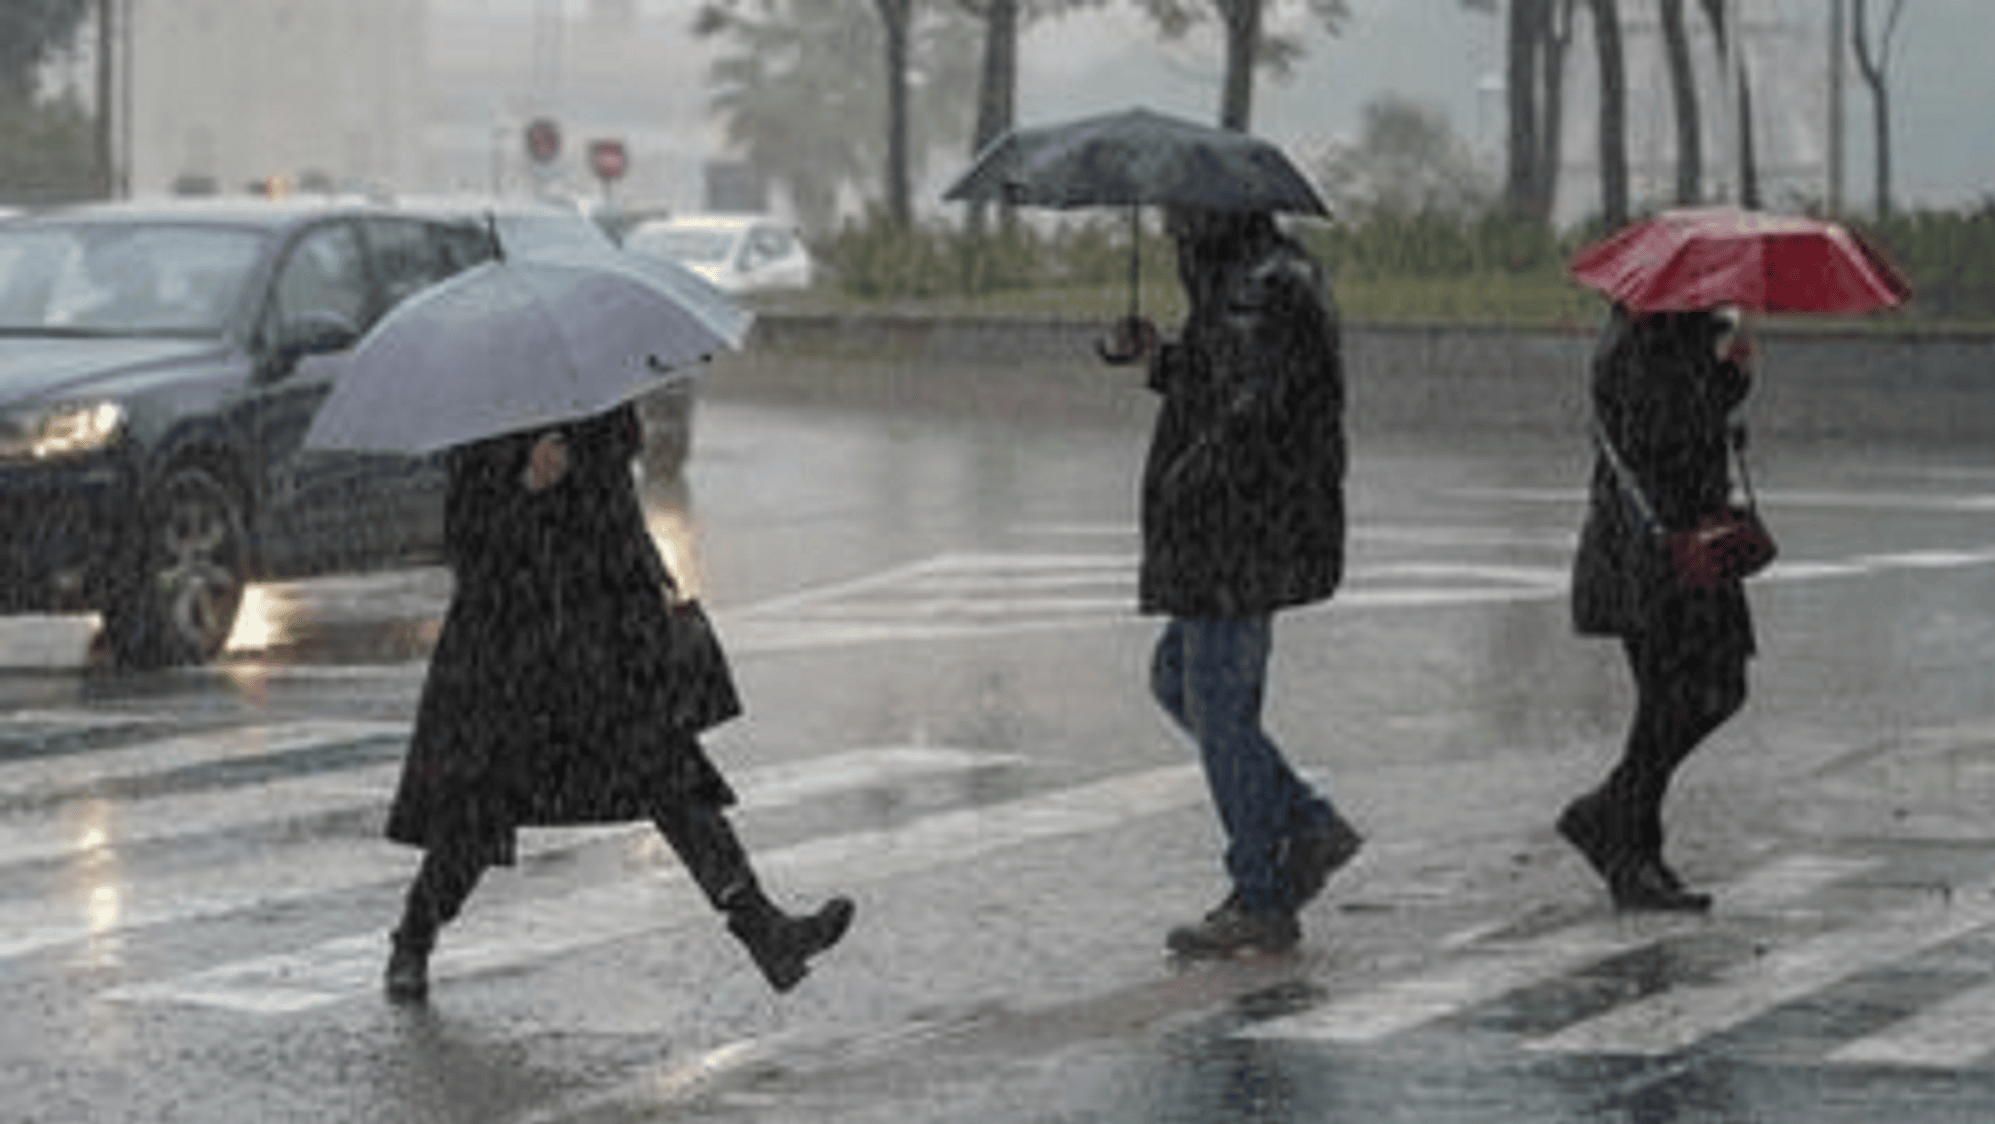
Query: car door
322, 297
406, 494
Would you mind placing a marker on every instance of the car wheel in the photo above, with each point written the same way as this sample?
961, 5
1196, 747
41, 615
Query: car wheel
178, 598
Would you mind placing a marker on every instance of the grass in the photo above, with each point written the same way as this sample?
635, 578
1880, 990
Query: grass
1526, 300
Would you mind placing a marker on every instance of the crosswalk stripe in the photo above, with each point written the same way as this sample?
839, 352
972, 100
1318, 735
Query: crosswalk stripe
41, 774
1673, 1020
106, 901
1948, 1035
1484, 974
17, 724
512, 934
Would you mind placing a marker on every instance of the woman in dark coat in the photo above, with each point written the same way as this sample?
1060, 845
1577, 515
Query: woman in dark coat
546, 698
1663, 395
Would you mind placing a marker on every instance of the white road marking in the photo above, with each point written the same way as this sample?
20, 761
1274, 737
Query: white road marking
1475, 975
1948, 1035
102, 899
1770, 499
41, 723
514, 934
93, 825
29, 776
1672, 1021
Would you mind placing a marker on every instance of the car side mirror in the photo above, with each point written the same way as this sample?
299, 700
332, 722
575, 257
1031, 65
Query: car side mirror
312, 333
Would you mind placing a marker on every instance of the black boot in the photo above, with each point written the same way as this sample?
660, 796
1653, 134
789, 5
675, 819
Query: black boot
781, 944
1636, 876
407, 979
440, 888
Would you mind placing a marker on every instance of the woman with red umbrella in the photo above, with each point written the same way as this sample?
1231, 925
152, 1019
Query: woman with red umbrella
1664, 388
1669, 372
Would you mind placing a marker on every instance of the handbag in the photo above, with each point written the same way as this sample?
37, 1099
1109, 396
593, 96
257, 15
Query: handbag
1725, 546
699, 687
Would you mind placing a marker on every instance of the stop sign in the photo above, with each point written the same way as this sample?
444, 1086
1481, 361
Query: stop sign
543, 140
608, 159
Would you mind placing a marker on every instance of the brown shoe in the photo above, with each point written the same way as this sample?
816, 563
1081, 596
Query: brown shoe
1311, 857
1232, 930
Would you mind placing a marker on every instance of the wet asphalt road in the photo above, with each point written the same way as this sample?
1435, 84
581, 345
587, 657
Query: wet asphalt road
931, 617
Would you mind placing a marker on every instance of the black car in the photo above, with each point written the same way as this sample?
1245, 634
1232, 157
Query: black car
159, 366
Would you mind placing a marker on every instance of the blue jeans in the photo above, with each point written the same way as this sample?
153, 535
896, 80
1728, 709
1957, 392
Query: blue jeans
1210, 675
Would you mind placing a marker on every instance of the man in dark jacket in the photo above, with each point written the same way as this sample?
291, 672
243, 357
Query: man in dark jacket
1243, 516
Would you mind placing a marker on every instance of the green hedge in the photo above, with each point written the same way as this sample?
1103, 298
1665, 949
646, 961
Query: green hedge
1412, 264
1950, 256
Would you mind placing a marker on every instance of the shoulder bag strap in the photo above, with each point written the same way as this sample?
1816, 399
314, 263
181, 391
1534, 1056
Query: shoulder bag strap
1630, 487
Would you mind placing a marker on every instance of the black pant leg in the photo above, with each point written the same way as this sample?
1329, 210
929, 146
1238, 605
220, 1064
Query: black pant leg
706, 843
441, 887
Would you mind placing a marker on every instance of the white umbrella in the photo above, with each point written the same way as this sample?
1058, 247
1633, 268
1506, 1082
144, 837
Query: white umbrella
522, 343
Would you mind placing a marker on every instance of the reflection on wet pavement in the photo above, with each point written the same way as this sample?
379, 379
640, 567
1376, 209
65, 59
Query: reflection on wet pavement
395, 616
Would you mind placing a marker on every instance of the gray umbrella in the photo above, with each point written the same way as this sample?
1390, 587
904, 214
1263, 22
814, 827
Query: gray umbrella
1133, 158
521, 343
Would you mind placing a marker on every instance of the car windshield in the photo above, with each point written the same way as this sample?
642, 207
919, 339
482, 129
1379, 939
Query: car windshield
121, 278
684, 243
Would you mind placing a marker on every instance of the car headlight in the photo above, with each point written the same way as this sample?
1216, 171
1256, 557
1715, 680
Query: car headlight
60, 431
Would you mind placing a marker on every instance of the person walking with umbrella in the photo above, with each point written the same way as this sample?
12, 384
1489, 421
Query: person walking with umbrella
560, 691
549, 696
1671, 368
1243, 516
1243, 504
1663, 392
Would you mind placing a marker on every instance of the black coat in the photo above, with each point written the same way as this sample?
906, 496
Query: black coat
1664, 399
544, 696
1243, 487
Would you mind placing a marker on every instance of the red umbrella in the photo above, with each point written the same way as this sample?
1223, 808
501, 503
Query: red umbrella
1706, 257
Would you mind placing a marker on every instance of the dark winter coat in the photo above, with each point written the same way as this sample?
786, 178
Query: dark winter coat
1243, 501
1662, 396
543, 699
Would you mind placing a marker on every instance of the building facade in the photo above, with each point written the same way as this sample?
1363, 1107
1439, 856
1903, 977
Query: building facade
410, 95
225, 93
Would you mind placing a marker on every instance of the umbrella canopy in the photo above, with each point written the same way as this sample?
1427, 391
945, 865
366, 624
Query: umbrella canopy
1136, 157
1712, 256
522, 343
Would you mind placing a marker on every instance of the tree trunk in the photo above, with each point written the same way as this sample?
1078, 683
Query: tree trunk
1871, 66
1551, 129
1521, 100
896, 15
1613, 114
1743, 149
1243, 40
1881, 118
997, 97
1749, 195
1683, 88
